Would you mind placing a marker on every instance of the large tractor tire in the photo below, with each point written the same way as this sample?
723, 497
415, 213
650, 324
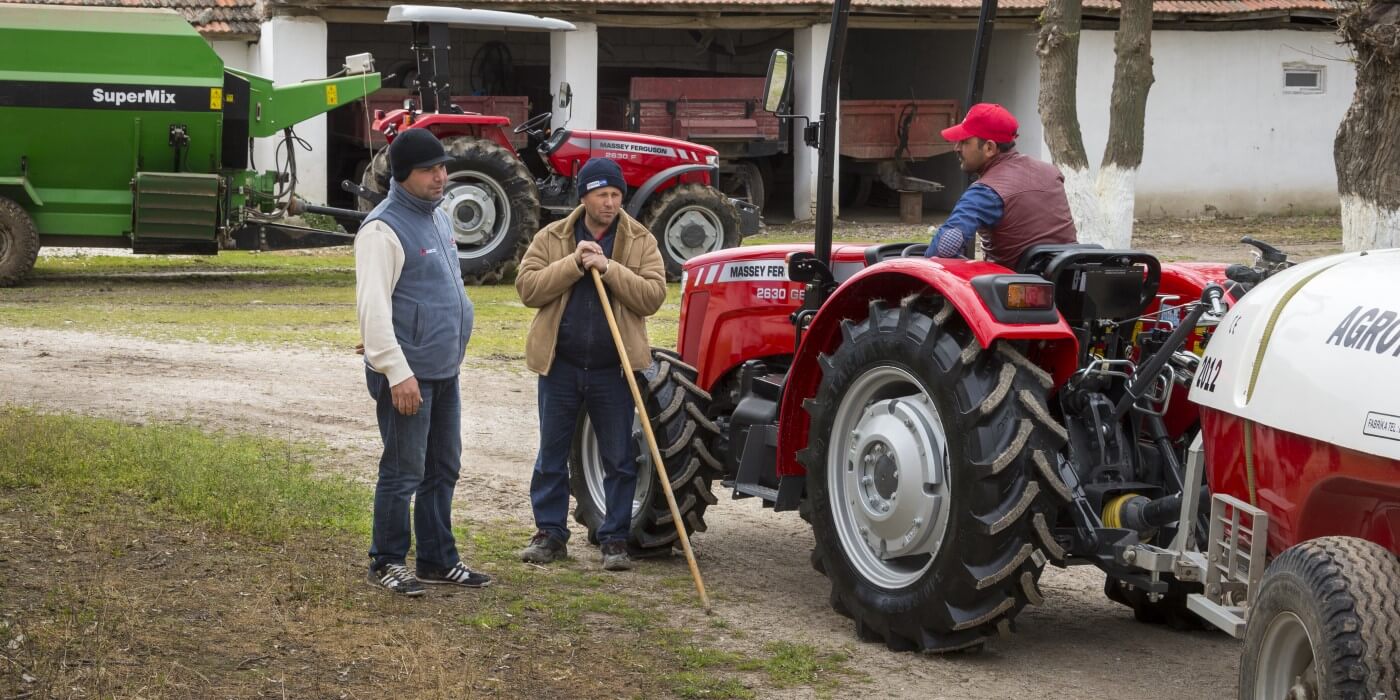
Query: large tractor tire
691, 220
930, 478
491, 200
676, 407
19, 243
1325, 624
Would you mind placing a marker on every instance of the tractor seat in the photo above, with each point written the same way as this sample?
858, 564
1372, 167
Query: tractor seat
1096, 284
1036, 257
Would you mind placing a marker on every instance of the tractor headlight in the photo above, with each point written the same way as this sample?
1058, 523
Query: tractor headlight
712, 160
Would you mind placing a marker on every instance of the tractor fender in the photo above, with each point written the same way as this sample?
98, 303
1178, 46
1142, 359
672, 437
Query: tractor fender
648, 188
891, 281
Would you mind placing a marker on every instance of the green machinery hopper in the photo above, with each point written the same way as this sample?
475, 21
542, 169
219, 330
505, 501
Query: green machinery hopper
122, 128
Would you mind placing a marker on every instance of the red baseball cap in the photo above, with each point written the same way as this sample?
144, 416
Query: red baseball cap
985, 121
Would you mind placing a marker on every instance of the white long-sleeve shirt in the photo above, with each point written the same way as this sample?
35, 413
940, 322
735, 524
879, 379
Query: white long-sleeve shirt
378, 262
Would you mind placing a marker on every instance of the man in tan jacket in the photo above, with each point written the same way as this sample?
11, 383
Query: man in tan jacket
570, 346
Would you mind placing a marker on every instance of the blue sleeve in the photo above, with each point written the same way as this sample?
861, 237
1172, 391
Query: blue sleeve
979, 207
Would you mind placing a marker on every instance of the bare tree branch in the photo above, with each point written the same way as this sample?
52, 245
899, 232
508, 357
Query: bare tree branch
1132, 78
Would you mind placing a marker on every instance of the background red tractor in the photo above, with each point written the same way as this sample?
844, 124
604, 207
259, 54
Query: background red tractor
950, 427
499, 197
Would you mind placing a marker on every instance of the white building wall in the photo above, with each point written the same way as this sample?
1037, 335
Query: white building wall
293, 49
1220, 132
809, 59
236, 53
573, 58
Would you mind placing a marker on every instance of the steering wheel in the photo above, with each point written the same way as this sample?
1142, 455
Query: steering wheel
533, 124
914, 251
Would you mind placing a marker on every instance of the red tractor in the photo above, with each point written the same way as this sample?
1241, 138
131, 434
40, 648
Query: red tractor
499, 196
950, 427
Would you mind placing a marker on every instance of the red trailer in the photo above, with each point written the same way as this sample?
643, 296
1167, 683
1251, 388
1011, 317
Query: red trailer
879, 138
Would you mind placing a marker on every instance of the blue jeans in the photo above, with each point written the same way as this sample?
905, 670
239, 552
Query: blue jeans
565, 391
422, 457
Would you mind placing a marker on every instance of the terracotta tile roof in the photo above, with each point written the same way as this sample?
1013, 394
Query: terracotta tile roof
959, 7
212, 18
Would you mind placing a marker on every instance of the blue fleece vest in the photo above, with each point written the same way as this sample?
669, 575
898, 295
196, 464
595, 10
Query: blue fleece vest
432, 313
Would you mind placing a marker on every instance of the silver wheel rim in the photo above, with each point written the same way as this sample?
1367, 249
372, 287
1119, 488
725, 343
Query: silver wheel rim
479, 211
888, 477
1285, 668
691, 231
594, 471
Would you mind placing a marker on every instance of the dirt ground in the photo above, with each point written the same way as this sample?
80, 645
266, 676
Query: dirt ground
1077, 645
754, 561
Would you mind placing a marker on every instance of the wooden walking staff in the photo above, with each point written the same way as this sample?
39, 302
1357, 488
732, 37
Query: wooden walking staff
651, 441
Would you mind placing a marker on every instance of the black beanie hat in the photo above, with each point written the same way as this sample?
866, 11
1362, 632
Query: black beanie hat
600, 172
415, 148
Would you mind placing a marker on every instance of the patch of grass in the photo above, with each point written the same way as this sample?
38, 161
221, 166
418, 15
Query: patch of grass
175, 561
249, 298
790, 665
256, 487
692, 685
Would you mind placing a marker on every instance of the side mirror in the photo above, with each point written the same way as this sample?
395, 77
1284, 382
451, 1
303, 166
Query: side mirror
775, 86
566, 94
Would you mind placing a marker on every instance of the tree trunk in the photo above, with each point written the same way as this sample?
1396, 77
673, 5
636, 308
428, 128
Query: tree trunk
1102, 203
1132, 79
1367, 149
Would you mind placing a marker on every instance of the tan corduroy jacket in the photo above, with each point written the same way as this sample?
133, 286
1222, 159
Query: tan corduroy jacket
636, 282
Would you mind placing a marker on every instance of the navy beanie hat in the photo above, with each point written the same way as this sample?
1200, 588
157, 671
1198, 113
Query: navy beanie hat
600, 172
415, 148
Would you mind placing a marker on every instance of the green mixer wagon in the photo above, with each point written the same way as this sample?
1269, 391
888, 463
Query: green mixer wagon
122, 128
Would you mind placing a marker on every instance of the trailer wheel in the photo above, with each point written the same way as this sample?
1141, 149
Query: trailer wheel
930, 479
491, 200
746, 182
1325, 624
691, 220
677, 410
19, 243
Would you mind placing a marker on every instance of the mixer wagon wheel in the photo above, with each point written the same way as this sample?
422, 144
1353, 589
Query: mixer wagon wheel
930, 478
19, 243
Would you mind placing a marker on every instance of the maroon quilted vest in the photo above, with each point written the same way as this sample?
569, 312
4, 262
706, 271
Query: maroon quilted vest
1034, 207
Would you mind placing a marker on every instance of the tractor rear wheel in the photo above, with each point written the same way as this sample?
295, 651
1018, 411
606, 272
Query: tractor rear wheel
683, 433
691, 220
491, 201
19, 243
930, 478
1324, 624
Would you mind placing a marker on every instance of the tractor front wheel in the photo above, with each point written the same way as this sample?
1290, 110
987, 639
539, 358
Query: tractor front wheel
691, 220
490, 200
930, 479
19, 243
677, 410
1324, 624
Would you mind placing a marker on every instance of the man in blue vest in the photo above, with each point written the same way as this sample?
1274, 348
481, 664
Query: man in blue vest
415, 320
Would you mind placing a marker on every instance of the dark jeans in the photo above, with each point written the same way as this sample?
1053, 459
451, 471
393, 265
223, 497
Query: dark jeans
422, 456
565, 391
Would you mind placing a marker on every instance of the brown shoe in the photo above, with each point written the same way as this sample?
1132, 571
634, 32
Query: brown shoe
544, 549
615, 556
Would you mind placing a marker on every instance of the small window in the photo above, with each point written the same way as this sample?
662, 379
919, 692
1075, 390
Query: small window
1302, 79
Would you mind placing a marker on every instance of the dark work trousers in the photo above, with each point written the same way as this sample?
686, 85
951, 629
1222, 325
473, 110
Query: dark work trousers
563, 393
422, 457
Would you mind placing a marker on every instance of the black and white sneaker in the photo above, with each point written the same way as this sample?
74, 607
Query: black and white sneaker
458, 575
396, 578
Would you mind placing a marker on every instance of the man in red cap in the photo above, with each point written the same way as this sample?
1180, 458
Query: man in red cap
1017, 201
